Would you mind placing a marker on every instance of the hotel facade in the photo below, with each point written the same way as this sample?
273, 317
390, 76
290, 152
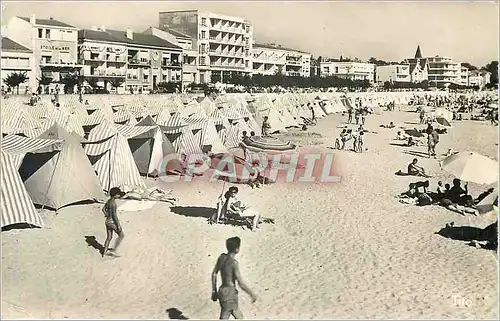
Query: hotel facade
224, 43
54, 45
138, 61
393, 73
269, 59
347, 69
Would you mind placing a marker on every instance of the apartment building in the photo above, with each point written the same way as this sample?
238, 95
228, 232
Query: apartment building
464, 76
352, 70
269, 59
393, 73
16, 58
443, 70
141, 60
224, 43
190, 73
54, 45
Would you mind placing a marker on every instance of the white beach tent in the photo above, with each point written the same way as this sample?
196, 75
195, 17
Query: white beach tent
62, 176
109, 153
149, 148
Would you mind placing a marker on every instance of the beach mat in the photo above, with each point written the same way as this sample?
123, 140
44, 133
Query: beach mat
133, 205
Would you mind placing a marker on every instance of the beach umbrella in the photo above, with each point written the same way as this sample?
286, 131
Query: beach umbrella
414, 132
267, 144
472, 167
443, 122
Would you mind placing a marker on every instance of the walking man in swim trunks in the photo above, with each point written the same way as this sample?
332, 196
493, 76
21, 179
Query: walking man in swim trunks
230, 273
112, 222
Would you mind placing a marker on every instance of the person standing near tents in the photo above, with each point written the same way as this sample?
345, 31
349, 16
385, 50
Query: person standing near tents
230, 274
349, 113
112, 223
266, 127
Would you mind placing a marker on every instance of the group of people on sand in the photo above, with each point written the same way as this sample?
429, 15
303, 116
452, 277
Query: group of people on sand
347, 135
454, 198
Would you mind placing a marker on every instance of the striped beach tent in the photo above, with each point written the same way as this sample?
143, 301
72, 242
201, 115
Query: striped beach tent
17, 206
109, 153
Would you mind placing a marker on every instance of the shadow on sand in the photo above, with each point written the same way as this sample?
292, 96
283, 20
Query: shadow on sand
471, 234
416, 153
175, 314
92, 241
206, 212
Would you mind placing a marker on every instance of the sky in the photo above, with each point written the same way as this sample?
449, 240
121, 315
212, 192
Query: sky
466, 31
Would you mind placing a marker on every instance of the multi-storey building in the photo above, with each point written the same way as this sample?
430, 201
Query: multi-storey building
53, 43
269, 59
190, 72
17, 59
393, 73
443, 70
464, 76
347, 69
479, 78
142, 61
224, 43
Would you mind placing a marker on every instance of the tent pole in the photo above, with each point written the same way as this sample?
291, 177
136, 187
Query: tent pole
50, 181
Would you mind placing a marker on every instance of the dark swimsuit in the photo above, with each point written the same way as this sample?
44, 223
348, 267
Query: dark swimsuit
228, 294
110, 223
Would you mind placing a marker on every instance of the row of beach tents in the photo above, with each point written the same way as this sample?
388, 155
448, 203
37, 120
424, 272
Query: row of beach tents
54, 156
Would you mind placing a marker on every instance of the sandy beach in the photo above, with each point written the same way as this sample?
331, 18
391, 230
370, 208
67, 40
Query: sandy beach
346, 250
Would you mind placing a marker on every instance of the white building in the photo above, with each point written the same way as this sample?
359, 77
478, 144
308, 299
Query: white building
479, 78
393, 73
190, 73
444, 70
141, 60
347, 69
224, 43
419, 67
269, 59
54, 45
17, 59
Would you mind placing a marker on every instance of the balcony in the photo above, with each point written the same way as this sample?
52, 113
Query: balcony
228, 67
50, 63
101, 73
175, 64
140, 62
293, 62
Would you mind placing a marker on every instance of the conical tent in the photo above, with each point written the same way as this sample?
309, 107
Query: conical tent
110, 155
61, 177
149, 148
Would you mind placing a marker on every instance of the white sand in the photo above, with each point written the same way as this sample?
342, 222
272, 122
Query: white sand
347, 250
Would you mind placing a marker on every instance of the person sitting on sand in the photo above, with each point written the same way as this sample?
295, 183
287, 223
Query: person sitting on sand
391, 125
412, 192
147, 194
414, 169
460, 195
229, 204
112, 222
230, 273
422, 184
400, 136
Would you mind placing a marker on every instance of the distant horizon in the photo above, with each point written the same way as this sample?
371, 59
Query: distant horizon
389, 31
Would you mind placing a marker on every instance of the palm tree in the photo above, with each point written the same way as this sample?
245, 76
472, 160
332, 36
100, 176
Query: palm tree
69, 81
14, 79
116, 82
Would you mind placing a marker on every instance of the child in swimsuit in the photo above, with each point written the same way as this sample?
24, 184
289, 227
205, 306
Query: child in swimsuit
112, 223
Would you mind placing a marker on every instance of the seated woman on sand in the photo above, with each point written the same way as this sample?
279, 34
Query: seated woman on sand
459, 195
414, 169
401, 136
229, 204
147, 194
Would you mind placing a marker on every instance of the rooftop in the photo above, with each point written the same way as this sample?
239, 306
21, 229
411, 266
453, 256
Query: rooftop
176, 33
278, 47
10, 45
117, 36
49, 22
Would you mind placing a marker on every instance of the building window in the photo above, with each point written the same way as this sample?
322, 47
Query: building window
146, 78
336, 70
247, 52
204, 22
40, 33
47, 33
246, 63
203, 34
202, 61
247, 28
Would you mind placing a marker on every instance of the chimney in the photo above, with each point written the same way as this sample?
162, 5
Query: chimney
33, 19
94, 28
130, 34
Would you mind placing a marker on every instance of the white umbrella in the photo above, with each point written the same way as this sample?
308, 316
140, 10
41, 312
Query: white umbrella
472, 167
488, 204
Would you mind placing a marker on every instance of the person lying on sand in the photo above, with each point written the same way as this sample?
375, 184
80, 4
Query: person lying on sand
391, 125
147, 194
112, 222
454, 207
230, 273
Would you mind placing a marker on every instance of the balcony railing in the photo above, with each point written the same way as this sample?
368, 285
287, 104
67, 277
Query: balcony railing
108, 74
238, 67
171, 64
139, 61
